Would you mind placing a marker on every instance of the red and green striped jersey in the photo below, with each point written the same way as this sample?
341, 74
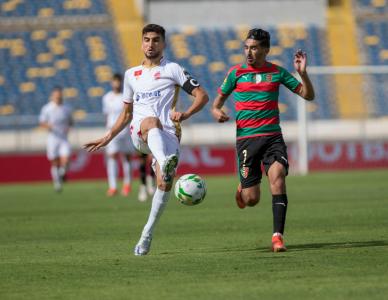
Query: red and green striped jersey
256, 93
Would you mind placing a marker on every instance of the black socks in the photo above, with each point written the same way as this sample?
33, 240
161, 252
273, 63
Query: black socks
279, 210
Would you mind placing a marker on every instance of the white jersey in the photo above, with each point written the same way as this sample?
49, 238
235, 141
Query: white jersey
57, 116
112, 106
154, 91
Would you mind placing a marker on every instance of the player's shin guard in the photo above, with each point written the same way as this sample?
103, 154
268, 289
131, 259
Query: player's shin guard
159, 202
279, 210
156, 143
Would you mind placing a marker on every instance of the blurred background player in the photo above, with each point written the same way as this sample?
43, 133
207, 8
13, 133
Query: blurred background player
121, 146
150, 96
57, 118
147, 177
259, 138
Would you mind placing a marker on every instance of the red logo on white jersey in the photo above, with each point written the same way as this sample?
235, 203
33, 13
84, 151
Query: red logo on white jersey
138, 73
157, 75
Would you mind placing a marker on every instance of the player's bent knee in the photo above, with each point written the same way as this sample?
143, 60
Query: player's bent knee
251, 200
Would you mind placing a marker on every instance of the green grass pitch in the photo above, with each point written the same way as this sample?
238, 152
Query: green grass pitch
78, 245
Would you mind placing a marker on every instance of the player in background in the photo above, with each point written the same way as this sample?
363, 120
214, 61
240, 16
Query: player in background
56, 117
259, 138
147, 181
121, 146
150, 95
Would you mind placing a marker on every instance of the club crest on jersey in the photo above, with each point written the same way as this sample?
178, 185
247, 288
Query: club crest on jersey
244, 171
157, 75
268, 77
257, 78
138, 73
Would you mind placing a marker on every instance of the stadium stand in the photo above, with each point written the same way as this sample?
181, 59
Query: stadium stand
83, 59
48, 8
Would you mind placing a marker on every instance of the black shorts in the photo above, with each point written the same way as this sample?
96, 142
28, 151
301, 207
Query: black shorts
251, 152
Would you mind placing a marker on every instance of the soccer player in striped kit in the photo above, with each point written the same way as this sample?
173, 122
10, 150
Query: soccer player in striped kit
259, 138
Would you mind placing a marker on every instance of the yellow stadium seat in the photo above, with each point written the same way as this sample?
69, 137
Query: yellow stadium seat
27, 87
197, 60
384, 54
44, 58
65, 33
371, 40
189, 30
242, 31
217, 66
46, 12
379, 3
7, 109
312, 107
70, 92
233, 44
38, 35
276, 50
79, 114
33, 72
62, 64
236, 59
103, 73
283, 108
96, 91
2, 80
47, 72
77, 4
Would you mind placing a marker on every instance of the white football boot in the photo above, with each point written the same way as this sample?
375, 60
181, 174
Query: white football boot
143, 246
168, 167
142, 193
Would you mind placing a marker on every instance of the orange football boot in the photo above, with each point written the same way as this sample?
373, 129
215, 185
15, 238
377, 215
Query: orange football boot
277, 243
111, 192
126, 189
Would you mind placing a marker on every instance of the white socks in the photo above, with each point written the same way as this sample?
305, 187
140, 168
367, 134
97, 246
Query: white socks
157, 144
126, 171
55, 177
112, 169
159, 202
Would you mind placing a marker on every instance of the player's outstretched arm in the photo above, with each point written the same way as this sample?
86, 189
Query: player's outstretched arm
200, 100
217, 111
300, 64
122, 121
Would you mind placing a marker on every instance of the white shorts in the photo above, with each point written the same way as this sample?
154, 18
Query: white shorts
57, 147
120, 144
171, 140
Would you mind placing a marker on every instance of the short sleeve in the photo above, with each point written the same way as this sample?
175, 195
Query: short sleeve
288, 80
183, 78
104, 105
229, 83
43, 117
127, 89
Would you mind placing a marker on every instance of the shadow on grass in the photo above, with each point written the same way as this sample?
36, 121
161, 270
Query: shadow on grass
291, 248
342, 245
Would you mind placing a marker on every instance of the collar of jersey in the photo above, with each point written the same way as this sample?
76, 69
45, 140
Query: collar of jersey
162, 60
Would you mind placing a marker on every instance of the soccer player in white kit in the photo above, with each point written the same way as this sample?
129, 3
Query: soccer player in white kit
57, 118
121, 146
150, 96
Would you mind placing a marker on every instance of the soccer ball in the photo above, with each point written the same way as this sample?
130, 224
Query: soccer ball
190, 189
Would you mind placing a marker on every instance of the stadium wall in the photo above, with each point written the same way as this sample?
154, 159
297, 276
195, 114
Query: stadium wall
228, 13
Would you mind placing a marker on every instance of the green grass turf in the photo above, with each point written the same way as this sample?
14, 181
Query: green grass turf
78, 245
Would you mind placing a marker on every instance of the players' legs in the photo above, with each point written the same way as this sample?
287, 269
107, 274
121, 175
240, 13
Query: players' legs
277, 181
158, 140
126, 165
54, 170
142, 196
112, 172
159, 200
64, 158
251, 195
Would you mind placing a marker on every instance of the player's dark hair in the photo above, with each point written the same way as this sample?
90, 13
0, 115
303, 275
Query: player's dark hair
117, 76
260, 35
155, 28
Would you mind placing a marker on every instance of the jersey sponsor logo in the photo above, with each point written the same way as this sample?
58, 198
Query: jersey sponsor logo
147, 95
